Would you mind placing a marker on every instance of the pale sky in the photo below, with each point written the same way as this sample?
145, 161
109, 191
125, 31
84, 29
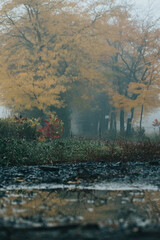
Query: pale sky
152, 6
147, 2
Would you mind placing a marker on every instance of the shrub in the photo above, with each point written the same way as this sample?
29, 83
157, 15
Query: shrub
53, 128
156, 123
23, 152
21, 128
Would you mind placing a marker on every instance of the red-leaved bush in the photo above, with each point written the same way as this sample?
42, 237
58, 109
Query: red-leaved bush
53, 128
156, 123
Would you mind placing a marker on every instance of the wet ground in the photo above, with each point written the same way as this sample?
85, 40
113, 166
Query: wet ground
80, 201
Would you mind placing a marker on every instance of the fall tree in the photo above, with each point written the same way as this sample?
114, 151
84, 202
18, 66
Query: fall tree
32, 72
134, 67
55, 54
45, 52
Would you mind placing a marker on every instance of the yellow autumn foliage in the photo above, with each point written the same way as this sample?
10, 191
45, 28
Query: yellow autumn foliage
55, 50
45, 47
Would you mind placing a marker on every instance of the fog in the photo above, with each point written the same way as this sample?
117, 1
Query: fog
97, 66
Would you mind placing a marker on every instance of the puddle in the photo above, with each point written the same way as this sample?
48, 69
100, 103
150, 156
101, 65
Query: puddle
50, 205
68, 202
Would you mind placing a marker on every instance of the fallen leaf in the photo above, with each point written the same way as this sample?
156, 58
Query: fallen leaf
74, 182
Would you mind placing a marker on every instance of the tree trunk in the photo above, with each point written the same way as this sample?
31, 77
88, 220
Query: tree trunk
141, 118
112, 122
99, 130
115, 123
107, 124
129, 123
122, 122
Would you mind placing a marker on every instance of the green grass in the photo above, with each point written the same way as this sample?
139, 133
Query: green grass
24, 152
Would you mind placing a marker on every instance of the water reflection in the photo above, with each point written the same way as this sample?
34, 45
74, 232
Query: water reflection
35, 208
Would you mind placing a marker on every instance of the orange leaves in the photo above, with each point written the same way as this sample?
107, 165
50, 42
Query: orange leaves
136, 88
55, 48
37, 53
47, 48
121, 102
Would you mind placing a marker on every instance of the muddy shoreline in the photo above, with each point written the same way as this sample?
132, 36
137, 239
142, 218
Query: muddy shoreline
86, 172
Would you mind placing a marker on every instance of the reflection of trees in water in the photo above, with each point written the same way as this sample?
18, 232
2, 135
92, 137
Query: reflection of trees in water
81, 200
142, 204
153, 205
113, 204
66, 205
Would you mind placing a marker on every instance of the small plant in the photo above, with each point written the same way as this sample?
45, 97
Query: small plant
53, 128
139, 133
156, 123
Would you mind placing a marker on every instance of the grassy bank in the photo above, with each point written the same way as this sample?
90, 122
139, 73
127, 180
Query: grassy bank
24, 152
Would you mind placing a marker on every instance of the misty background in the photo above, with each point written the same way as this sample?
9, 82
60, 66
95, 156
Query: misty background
142, 8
